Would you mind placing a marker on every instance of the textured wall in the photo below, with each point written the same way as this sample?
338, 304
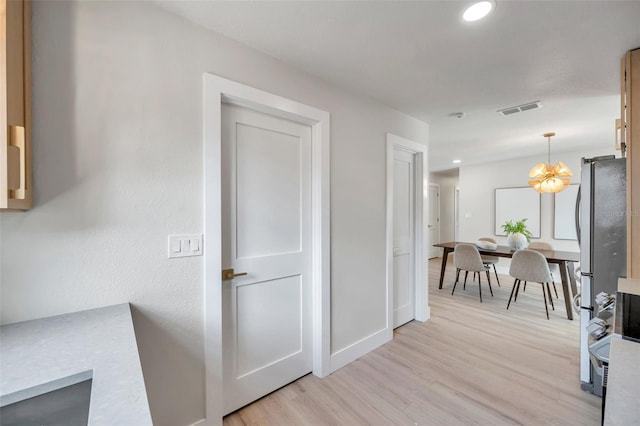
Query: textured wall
117, 111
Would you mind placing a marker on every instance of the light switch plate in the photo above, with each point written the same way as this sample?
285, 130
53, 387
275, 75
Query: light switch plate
185, 245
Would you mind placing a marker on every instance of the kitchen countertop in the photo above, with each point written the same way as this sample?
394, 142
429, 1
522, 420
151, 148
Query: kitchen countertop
629, 285
623, 385
45, 354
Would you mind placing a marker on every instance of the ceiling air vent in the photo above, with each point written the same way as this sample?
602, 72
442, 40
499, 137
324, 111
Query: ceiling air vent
520, 108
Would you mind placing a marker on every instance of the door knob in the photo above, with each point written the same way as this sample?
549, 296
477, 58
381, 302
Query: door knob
229, 274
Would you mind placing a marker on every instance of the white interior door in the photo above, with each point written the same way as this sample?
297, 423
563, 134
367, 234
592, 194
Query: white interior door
433, 198
266, 217
403, 237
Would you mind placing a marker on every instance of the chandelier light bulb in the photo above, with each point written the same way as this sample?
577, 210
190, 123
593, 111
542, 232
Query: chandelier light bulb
547, 177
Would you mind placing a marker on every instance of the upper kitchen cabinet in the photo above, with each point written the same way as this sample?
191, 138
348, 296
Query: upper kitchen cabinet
630, 134
16, 185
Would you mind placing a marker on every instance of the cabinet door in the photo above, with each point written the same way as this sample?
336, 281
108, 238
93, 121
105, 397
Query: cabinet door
631, 112
15, 105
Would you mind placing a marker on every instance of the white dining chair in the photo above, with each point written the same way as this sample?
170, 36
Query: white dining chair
530, 265
541, 245
490, 260
466, 257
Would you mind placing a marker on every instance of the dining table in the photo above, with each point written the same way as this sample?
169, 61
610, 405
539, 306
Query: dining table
564, 260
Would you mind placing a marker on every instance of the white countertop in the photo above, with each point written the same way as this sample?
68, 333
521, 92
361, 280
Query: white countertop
623, 386
41, 355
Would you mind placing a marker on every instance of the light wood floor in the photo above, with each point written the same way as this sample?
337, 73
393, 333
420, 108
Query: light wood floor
470, 364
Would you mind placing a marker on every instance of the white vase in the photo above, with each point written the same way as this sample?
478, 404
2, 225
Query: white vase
517, 241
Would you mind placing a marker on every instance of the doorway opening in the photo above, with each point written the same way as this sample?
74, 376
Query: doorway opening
433, 199
414, 274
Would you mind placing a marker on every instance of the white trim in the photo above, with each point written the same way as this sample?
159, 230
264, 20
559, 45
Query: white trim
201, 422
421, 240
389, 236
216, 91
356, 350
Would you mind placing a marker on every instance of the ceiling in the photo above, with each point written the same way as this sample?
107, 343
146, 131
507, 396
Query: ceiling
420, 58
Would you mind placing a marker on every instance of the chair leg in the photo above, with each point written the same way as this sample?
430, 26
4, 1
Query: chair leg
454, 284
544, 295
515, 298
496, 272
489, 281
480, 287
514, 287
554, 286
466, 274
550, 298
525, 287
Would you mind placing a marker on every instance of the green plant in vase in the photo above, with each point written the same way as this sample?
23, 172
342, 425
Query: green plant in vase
518, 235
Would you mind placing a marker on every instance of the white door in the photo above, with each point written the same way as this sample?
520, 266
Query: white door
403, 237
266, 208
433, 198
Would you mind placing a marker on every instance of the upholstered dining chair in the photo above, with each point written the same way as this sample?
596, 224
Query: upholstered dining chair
541, 245
490, 260
466, 257
529, 265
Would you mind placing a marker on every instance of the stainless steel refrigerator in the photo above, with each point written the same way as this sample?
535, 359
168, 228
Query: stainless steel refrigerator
602, 235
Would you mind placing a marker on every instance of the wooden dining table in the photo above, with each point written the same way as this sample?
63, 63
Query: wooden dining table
564, 260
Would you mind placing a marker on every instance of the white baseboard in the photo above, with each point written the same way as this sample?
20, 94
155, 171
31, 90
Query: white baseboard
358, 349
427, 315
201, 422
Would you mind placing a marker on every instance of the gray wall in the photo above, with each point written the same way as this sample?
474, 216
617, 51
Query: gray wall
117, 112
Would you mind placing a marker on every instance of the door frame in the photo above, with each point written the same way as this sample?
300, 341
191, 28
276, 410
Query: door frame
432, 249
422, 312
218, 90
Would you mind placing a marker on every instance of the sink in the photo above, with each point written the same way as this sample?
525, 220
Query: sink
60, 402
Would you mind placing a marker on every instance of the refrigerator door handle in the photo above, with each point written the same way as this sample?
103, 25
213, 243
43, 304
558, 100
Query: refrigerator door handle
577, 214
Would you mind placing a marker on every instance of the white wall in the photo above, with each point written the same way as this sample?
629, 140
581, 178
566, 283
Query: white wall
477, 200
117, 112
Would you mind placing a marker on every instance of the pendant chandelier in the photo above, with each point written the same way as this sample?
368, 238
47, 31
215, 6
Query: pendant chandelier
547, 177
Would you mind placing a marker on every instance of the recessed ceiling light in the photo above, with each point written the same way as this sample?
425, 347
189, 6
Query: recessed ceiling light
477, 11
456, 161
